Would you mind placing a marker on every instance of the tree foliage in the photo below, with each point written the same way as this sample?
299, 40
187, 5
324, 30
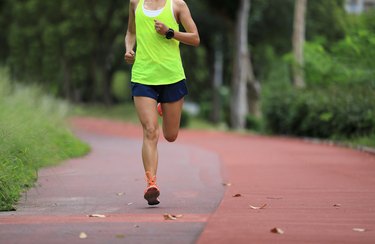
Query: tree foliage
346, 61
326, 19
73, 46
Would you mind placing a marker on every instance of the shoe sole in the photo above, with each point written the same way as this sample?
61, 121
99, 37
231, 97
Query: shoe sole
152, 195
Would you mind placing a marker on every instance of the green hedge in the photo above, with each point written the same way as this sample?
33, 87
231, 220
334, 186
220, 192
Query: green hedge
32, 135
326, 112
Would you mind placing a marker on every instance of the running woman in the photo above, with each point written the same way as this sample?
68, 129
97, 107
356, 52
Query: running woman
158, 77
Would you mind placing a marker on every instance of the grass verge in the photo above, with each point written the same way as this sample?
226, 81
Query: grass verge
126, 112
33, 134
366, 141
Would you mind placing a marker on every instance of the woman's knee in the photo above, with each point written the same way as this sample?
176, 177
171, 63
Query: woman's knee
151, 132
171, 137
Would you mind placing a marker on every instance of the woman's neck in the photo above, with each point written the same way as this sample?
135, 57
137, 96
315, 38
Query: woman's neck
154, 4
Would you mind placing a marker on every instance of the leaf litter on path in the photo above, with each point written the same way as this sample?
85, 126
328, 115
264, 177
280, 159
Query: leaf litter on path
256, 208
237, 195
227, 184
172, 216
97, 216
277, 231
82, 235
359, 229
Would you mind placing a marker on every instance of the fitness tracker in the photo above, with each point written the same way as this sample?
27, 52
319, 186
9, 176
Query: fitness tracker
169, 34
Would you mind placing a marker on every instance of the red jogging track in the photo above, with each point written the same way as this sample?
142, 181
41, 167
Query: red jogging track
314, 193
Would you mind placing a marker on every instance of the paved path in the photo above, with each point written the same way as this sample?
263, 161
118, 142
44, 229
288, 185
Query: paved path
315, 193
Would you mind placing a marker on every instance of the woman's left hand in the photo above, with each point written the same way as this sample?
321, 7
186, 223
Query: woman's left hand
160, 27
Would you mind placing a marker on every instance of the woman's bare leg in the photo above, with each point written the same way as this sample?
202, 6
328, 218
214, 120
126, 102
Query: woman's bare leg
171, 119
148, 116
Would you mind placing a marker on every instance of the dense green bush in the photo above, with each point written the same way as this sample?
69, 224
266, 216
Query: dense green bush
345, 111
185, 119
120, 87
253, 123
32, 135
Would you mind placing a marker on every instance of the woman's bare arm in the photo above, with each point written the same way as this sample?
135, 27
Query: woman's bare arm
130, 36
191, 36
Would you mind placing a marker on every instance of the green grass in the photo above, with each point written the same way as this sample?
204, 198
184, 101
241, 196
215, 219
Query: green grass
126, 112
367, 141
32, 135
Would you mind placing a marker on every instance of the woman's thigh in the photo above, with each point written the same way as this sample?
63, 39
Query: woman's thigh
147, 113
171, 119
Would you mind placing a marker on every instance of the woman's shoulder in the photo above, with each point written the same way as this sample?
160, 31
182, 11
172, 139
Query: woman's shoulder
179, 3
134, 3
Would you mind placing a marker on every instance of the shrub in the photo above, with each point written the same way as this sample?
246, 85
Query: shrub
120, 86
253, 123
185, 119
333, 111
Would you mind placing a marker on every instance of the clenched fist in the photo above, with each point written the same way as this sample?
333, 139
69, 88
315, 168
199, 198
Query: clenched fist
160, 27
129, 57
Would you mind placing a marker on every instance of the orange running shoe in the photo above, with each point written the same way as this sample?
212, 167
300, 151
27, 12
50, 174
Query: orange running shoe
152, 191
160, 111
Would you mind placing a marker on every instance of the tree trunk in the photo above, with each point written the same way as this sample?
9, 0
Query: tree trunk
66, 80
239, 103
298, 42
254, 89
92, 84
218, 71
106, 86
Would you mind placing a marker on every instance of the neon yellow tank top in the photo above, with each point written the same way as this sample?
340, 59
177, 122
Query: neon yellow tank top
157, 59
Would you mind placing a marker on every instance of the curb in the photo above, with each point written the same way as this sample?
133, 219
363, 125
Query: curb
360, 148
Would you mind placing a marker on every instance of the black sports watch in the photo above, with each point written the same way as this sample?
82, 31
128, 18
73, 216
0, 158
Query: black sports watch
169, 34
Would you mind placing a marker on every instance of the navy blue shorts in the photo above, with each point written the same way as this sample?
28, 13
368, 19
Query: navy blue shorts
161, 93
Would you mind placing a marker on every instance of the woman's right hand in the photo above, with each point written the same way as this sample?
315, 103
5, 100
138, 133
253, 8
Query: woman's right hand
129, 57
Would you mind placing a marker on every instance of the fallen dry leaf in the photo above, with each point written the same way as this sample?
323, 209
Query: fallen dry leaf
169, 217
337, 205
82, 235
227, 184
130, 203
237, 195
97, 215
120, 194
261, 207
172, 216
359, 229
136, 226
277, 231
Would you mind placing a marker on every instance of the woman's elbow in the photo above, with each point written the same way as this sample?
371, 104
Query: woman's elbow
197, 41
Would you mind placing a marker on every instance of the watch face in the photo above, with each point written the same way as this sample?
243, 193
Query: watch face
169, 34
